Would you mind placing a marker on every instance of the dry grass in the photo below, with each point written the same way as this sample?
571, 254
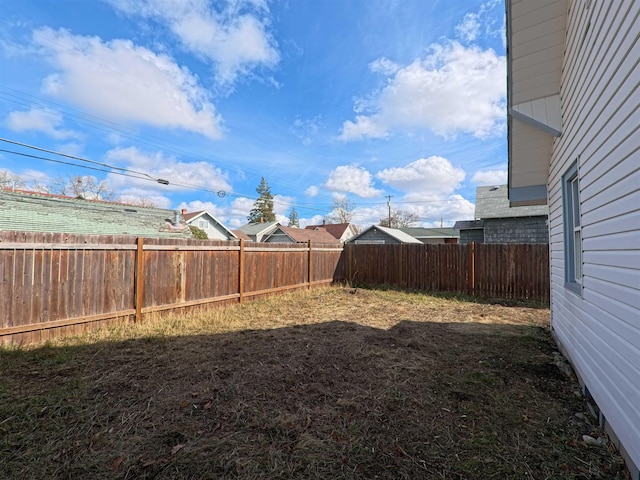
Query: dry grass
327, 384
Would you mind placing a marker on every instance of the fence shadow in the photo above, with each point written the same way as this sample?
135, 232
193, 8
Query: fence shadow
330, 400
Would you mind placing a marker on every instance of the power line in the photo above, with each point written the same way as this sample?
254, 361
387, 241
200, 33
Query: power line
130, 173
100, 123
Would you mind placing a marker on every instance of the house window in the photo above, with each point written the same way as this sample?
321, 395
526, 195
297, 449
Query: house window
572, 229
203, 224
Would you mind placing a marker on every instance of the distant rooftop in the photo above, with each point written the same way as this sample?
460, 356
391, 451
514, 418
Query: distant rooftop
424, 232
38, 212
492, 202
257, 228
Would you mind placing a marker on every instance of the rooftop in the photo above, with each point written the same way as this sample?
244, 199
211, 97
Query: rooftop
38, 212
492, 202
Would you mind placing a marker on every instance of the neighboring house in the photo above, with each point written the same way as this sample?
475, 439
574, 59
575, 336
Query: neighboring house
574, 144
299, 235
46, 213
341, 231
213, 227
376, 234
259, 230
498, 222
433, 235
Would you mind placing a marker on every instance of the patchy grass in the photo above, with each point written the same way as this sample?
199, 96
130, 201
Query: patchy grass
333, 383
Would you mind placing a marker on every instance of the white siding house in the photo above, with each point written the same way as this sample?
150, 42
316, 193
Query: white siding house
574, 142
206, 222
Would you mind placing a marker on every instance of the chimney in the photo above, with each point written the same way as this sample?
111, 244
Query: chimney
176, 222
184, 211
324, 222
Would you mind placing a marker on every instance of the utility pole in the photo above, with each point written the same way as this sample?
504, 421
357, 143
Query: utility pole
389, 205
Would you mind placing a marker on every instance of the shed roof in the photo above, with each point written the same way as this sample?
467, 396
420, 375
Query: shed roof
38, 212
399, 235
492, 202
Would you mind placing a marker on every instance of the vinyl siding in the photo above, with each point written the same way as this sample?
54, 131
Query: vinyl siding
600, 93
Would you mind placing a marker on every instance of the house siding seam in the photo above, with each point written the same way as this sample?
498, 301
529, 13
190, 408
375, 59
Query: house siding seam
599, 329
516, 230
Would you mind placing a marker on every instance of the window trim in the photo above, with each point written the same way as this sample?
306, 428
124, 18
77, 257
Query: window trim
572, 226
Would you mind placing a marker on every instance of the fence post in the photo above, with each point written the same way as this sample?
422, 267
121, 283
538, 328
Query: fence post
310, 265
241, 272
472, 268
139, 279
400, 283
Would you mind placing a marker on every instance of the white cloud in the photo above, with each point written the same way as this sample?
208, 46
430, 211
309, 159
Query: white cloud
490, 177
46, 121
312, 191
314, 220
124, 82
352, 179
384, 65
454, 89
435, 175
282, 204
157, 165
469, 28
235, 38
238, 211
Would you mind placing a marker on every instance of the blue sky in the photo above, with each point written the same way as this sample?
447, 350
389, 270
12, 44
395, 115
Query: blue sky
324, 98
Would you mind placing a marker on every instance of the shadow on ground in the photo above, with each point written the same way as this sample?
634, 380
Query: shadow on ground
330, 400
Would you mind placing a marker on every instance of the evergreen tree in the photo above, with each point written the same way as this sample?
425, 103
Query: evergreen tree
263, 206
294, 221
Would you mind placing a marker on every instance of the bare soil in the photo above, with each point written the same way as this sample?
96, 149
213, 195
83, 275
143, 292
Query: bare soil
335, 383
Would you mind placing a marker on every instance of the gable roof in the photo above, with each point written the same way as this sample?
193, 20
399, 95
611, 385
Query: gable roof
335, 229
423, 232
241, 235
492, 202
392, 232
300, 235
258, 228
191, 217
37, 212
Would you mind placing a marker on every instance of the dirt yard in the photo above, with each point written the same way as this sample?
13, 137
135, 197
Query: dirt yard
329, 384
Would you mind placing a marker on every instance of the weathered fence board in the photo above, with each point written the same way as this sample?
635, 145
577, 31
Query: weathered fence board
504, 271
61, 284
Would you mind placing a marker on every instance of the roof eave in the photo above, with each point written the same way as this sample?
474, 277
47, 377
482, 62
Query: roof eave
536, 116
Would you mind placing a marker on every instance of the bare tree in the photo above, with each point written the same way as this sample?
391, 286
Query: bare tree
342, 210
11, 180
400, 218
85, 186
142, 202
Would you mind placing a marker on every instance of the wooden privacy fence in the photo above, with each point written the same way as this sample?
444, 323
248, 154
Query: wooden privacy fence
63, 284
505, 271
